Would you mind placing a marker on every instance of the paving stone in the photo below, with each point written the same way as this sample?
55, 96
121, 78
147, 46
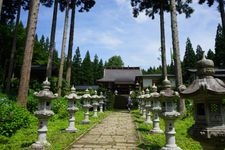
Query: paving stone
116, 132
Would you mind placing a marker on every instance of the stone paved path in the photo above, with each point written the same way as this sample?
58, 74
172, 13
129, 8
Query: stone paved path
115, 132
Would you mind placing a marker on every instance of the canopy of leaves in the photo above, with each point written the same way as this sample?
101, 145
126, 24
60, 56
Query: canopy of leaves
152, 7
114, 61
10, 8
219, 48
83, 5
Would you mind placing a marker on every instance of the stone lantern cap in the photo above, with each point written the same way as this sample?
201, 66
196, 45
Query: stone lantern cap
73, 95
167, 93
102, 97
206, 84
87, 96
147, 95
154, 94
95, 96
45, 94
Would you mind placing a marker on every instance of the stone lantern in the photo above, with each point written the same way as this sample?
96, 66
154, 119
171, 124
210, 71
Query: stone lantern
169, 113
72, 109
95, 104
208, 95
43, 113
156, 109
142, 98
147, 107
101, 102
86, 99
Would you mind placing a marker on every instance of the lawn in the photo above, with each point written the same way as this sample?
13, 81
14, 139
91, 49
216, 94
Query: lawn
56, 134
156, 141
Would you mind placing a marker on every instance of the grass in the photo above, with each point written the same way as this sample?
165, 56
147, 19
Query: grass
56, 134
156, 141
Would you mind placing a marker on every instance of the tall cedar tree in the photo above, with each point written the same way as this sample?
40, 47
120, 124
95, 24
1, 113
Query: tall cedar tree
87, 70
219, 48
95, 68
76, 68
84, 5
9, 14
26, 67
210, 55
189, 60
152, 7
199, 53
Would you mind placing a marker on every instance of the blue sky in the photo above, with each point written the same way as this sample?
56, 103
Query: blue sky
109, 29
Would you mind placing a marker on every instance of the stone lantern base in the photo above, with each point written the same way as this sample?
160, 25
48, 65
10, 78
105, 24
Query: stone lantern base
171, 148
40, 145
210, 138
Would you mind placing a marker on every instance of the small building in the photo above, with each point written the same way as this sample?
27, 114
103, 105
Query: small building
148, 80
120, 79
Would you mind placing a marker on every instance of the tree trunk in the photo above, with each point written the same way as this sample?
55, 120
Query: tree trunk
13, 51
176, 51
1, 2
221, 8
163, 45
70, 48
63, 50
52, 40
28, 53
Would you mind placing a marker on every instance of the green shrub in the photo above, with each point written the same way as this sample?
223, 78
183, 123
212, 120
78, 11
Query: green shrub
32, 102
59, 107
12, 117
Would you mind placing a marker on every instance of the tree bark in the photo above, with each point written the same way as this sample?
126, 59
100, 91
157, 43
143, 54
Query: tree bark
52, 40
70, 48
1, 2
176, 51
163, 45
63, 50
13, 51
222, 13
28, 53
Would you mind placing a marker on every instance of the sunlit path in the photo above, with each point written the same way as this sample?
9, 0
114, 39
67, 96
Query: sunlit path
117, 131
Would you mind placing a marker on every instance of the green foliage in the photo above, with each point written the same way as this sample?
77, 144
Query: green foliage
59, 107
110, 97
12, 117
115, 61
76, 68
210, 55
199, 53
32, 102
189, 61
219, 48
156, 141
87, 70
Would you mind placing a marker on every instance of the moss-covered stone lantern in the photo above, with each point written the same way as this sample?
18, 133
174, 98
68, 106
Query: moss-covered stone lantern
43, 113
72, 109
101, 102
95, 104
208, 94
86, 104
169, 113
147, 100
156, 109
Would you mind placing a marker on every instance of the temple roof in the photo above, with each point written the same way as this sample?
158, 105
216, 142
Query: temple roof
124, 75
